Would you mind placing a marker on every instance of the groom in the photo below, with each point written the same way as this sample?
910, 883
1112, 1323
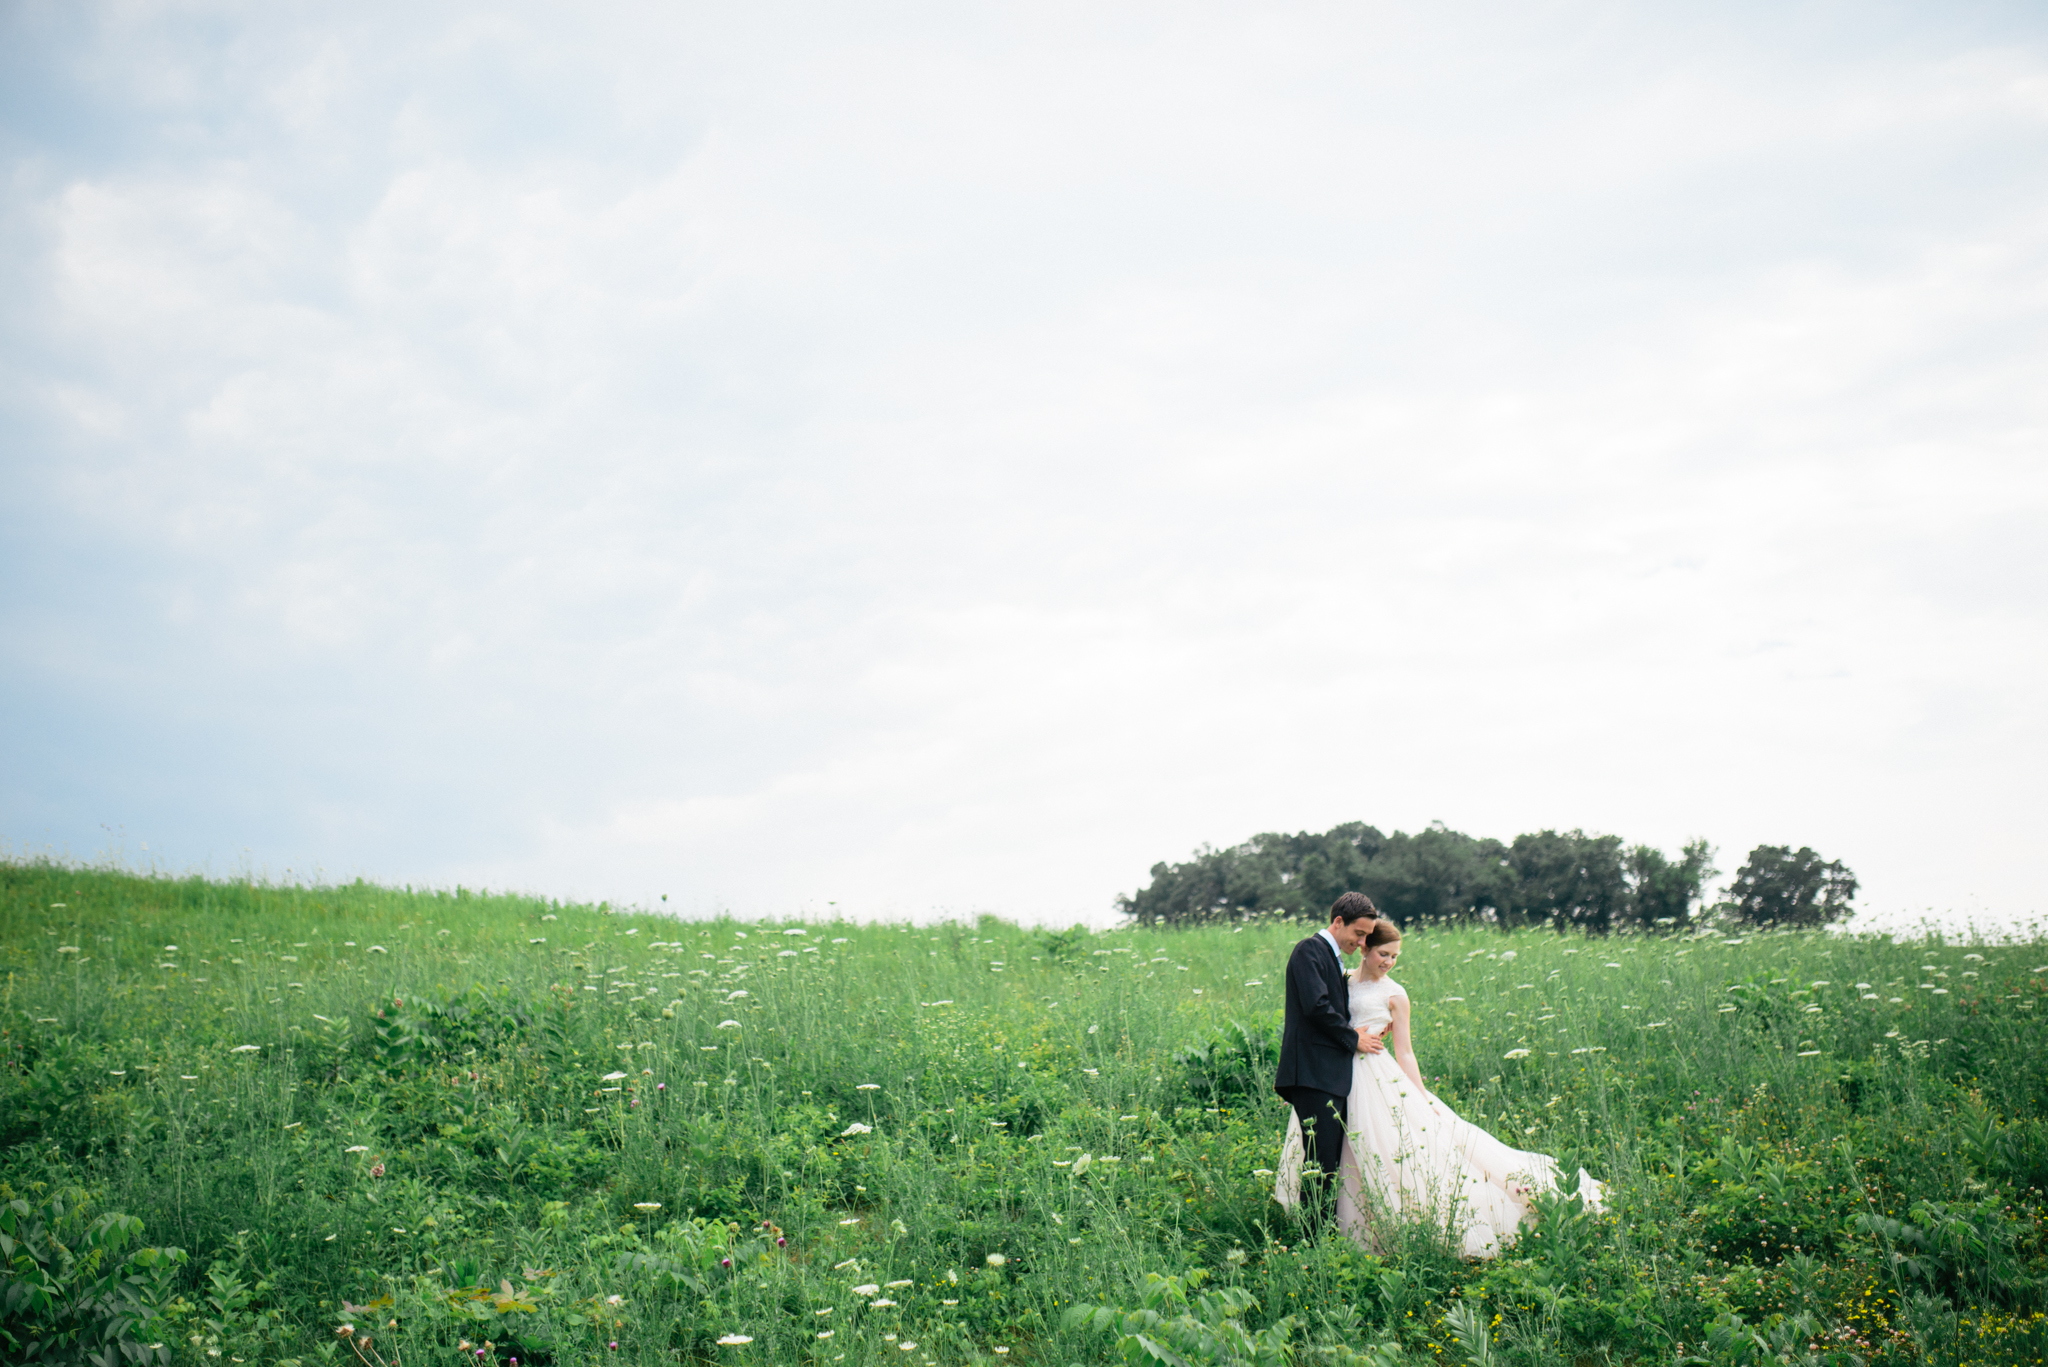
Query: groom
1317, 1042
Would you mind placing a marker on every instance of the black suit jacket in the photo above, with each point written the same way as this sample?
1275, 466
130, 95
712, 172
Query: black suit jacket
1317, 1042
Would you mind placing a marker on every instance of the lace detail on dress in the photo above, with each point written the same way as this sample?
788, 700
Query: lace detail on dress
1372, 1004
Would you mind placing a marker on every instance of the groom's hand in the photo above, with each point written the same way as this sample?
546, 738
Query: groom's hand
1370, 1044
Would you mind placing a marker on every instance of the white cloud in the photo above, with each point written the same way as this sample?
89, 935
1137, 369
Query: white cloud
954, 460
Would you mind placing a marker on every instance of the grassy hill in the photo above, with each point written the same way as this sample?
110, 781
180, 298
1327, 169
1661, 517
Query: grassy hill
490, 1127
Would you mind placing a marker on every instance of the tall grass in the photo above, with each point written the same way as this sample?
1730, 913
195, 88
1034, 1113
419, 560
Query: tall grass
337, 1095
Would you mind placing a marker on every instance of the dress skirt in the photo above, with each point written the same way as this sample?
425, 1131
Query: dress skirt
1408, 1156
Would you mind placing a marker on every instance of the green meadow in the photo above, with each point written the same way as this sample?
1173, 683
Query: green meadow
288, 1125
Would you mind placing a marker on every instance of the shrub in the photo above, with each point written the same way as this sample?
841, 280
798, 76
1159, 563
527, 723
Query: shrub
73, 1290
1181, 1325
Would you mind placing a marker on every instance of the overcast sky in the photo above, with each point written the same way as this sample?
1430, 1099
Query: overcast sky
940, 458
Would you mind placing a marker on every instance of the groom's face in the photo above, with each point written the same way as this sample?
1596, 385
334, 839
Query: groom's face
1350, 936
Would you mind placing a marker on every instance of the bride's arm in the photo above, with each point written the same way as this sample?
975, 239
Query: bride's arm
1404, 1050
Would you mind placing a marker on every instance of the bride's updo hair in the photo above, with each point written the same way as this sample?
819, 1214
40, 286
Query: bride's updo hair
1384, 933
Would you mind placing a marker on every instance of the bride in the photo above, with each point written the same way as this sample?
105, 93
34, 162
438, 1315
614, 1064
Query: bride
1408, 1153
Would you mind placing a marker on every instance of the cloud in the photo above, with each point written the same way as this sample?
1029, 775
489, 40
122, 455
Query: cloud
949, 460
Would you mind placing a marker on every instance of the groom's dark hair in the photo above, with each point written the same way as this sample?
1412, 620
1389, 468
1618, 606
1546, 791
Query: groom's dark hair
1352, 906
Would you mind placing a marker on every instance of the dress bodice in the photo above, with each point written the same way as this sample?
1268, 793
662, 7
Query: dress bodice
1371, 1004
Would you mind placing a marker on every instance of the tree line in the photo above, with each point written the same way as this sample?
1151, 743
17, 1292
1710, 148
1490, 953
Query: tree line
1566, 879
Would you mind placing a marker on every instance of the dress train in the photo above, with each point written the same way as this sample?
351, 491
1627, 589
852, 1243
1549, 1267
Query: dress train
1408, 1155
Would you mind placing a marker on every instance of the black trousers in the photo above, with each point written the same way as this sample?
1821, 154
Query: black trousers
1322, 1137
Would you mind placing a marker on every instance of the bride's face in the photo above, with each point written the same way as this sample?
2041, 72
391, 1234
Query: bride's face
1380, 959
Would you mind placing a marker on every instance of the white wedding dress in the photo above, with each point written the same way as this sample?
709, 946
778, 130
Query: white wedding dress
1408, 1155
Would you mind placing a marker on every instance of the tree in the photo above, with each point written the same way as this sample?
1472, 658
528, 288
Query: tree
1439, 874
1185, 894
1779, 886
1322, 868
1661, 893
1569, 878
1267, 875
